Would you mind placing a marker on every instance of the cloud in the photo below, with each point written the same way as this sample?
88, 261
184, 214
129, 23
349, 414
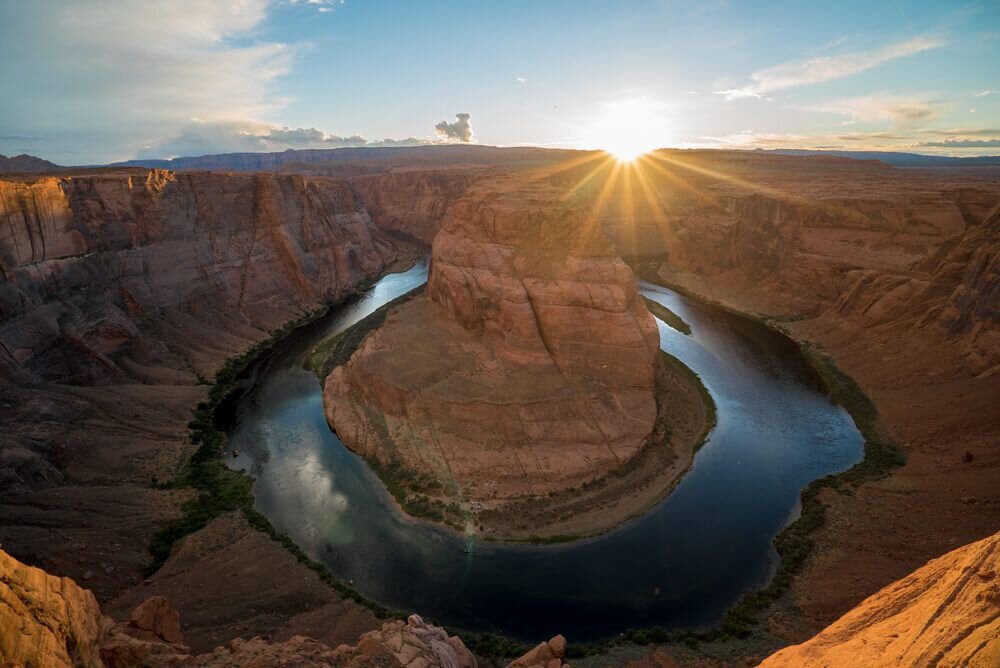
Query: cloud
825, 68
460, 130
960, 132
963, 143
520, 80
901, 110
983, 93
201, 138
106, 78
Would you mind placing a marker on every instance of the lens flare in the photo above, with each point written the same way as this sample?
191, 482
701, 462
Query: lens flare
628, 129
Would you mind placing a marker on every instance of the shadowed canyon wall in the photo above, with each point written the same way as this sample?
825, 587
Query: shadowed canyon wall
121, 292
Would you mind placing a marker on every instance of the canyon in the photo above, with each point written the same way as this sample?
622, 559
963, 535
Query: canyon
124, 291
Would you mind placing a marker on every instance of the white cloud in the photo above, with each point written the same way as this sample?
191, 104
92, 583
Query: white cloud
983, 93
881, 108
200, 138
826, 68
106, 79
460, 130
963, 143
520, 80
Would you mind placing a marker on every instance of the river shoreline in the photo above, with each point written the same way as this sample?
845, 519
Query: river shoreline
686, 417
651, 635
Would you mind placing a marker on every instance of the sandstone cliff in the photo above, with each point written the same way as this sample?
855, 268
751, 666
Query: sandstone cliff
88, 264
414, 202
946, 613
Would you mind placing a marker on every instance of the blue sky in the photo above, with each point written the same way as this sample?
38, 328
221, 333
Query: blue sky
92, 81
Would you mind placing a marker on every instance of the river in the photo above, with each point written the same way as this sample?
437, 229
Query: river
681, 564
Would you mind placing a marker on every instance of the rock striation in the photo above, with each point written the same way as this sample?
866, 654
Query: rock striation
528, 368
946, 613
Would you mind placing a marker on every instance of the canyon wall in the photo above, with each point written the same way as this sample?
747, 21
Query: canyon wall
413, 202
91, 266
121, 294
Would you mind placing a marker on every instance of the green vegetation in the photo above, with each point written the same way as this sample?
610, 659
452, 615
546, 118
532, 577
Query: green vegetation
667, 316
706, 397
220, 490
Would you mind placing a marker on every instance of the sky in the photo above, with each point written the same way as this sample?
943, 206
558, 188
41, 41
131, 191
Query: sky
95, 81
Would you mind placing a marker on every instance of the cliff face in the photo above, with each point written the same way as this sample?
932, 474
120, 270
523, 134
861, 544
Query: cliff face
120, 292
89, 264
414, 202
946, 613
528, 368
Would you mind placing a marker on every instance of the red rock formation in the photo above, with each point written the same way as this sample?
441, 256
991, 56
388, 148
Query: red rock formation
946, 613
528, 368
84, 259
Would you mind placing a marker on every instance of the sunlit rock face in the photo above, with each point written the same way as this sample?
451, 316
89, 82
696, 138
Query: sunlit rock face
527, 368
946, 613
542, 287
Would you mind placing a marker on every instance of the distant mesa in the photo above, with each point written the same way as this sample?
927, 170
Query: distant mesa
26, 163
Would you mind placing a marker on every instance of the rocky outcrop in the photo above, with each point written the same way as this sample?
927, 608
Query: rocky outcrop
50, 621
946, 613
46, 620
410, 644
528, 368
544, 655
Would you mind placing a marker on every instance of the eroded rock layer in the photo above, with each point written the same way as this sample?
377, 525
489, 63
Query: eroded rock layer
528, 367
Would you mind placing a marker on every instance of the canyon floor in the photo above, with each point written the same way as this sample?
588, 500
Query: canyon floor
124, 292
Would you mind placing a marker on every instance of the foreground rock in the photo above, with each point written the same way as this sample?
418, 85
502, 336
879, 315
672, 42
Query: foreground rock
946, 613
529, 369
544, 655
49, 621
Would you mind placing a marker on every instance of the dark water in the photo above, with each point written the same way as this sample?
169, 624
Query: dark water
682, 564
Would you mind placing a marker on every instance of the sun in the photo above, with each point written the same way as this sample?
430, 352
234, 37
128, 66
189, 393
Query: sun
628, 129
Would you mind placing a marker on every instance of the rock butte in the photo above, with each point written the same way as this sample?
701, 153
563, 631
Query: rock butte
528, 368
